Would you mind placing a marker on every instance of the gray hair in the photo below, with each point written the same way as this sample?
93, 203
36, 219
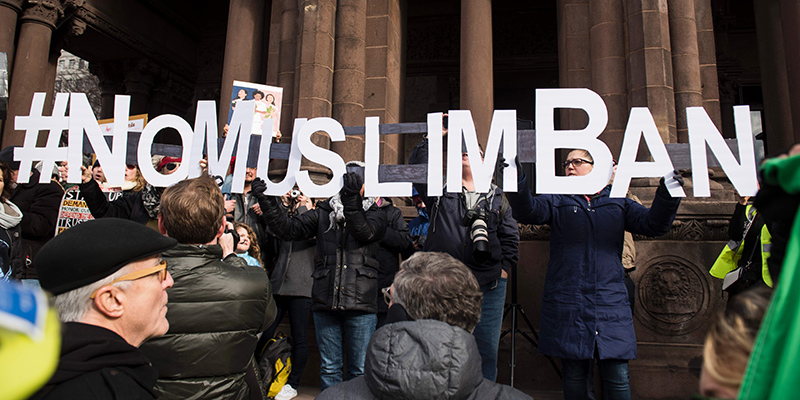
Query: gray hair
73, 306
436, 286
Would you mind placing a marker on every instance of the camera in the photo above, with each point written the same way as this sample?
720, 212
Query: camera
235, 236
475, 219
295, 193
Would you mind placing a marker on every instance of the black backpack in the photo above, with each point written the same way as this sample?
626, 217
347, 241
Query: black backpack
276, 363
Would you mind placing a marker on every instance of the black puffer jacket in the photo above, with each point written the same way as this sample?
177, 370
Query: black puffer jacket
396, 239
345, 277
215, 310
424, 359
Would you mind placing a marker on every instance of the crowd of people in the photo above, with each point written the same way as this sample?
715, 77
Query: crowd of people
175, 292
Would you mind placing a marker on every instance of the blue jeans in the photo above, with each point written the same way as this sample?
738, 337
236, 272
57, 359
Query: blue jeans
614, 373
356, 328
487, 332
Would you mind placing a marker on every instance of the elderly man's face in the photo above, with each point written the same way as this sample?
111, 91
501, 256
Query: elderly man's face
147, 311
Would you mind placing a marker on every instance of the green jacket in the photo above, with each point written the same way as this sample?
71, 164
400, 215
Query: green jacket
215, 310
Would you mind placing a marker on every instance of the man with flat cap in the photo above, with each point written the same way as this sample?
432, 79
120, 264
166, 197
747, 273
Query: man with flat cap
110, 287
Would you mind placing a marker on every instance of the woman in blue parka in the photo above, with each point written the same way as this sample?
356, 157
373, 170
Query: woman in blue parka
585, 312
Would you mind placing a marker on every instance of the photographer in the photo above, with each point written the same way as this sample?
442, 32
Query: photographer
348, 228
479, 231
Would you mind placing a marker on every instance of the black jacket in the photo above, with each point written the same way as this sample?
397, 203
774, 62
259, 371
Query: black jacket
39, 203
128, 206
447, 234
396, 240
96, 363
424, 359
345, 277
215, 310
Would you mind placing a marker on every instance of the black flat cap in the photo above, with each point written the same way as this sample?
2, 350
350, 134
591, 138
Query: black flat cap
94, 250
7, 156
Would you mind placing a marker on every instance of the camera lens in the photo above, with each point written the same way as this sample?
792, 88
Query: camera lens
479, 235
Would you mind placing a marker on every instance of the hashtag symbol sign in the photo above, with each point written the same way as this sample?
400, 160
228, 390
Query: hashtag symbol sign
32, 124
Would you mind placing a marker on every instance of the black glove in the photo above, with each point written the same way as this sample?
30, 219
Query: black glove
662, 185
675, 175
257, 188
352, 184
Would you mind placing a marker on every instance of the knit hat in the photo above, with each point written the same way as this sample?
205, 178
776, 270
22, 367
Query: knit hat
7, 156
93, 250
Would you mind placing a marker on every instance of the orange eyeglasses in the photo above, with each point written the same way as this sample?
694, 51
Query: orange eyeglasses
160, 268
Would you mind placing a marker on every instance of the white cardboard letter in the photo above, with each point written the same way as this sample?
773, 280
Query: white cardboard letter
702, 131
293, 167
372, 152
321, 156
435, 154
548, 140
641, 123
146, 141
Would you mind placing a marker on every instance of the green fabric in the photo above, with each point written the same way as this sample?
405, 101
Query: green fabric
774, 368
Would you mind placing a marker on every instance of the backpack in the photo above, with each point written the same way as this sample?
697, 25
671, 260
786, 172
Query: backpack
276, 363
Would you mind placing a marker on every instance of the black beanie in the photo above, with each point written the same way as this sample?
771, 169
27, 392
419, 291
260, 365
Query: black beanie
93, 250
7, 156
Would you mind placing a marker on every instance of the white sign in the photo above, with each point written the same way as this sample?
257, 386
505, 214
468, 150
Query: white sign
702, 134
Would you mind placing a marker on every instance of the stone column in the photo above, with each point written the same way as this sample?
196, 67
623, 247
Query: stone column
9, 13
790, 21
609, 75
574, 61
685, 62
650, 64
31, 66
384, 77
477, 69
707, 54
243, 49
140, 77
286, 64
111, 83
774, 82
314, 71
348, 74
273, 51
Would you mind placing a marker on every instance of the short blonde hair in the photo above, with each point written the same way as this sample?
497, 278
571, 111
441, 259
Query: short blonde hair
731, 337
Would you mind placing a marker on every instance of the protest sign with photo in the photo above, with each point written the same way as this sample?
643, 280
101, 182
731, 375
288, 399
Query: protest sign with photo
268, 103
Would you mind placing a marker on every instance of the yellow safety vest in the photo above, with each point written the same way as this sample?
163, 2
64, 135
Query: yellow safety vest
728, 260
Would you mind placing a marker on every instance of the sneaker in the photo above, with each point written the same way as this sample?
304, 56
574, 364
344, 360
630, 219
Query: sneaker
287, 393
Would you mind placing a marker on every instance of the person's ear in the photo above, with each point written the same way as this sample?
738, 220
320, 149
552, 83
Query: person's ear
109, 301
221, 230
161, 228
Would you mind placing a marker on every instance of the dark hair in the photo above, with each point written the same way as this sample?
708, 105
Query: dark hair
7, 184
585, 152
257, 92
193, 210
436, 286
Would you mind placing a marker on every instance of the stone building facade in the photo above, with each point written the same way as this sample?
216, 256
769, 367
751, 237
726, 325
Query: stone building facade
400, 59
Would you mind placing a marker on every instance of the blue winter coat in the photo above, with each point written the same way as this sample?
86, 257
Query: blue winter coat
585, 303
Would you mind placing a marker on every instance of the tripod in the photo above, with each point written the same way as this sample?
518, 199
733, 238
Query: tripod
515, 308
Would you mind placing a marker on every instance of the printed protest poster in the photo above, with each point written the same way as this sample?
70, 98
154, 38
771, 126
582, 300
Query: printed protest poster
74, 209
268, 103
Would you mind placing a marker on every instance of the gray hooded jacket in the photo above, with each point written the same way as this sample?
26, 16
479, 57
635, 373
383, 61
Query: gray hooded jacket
418, 360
